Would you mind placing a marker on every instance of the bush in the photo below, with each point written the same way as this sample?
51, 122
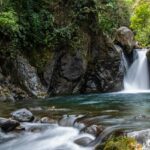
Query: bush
8, 23
113, 14
140, 22
122, 143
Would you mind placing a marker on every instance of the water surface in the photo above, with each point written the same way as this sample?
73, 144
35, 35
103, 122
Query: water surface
115, 111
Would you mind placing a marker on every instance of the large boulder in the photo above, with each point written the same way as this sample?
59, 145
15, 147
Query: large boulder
65, 71
27, 77
125, 39
22, 115
8, 124
142, 137
84, 141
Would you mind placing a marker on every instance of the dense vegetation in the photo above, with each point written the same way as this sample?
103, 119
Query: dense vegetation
36, 28
41, 26
140, 21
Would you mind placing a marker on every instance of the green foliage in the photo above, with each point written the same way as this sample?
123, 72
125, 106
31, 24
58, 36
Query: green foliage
43, 26
37, 26
122, 143
8, 23
140, 22
113, 14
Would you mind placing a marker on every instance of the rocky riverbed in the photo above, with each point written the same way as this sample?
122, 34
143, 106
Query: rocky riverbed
73, 132
85, 122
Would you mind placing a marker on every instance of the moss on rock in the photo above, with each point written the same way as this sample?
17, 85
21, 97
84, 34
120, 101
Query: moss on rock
122, 143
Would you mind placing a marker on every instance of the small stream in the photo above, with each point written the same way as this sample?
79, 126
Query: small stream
114, 111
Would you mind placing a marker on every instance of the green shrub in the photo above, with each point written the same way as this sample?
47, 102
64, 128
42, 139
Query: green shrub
122, 143
113, 14
140, 22
8, 23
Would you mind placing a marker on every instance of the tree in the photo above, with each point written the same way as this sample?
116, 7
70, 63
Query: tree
140, 21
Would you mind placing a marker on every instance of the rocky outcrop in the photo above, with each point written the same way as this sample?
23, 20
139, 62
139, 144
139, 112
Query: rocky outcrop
125, 39
66, 71
104, 73
10, 91
97, 71
27, 77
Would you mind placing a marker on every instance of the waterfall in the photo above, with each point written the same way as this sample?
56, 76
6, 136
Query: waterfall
137, 76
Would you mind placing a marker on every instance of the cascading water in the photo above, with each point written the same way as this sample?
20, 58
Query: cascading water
137, 76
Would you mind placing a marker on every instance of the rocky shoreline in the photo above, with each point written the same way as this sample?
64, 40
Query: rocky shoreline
23, 121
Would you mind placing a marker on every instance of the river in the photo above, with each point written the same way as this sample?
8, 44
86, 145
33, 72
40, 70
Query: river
114, 111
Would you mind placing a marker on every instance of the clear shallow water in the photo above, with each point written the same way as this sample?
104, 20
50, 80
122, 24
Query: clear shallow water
113, 107
115, 111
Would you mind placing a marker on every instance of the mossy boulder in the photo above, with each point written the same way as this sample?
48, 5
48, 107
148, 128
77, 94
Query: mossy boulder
122, 143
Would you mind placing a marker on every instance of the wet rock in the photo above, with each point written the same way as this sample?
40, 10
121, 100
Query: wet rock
47, 120
94, 130
22, 115
28, 78
69, 120
125, 39
83, 141
44, 120
8, 124
142, 137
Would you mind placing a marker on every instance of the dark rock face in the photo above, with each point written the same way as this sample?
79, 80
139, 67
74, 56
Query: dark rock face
95, 68
8, 124
22, 115
98, 71
28, 78
104, 73
66, 71
83, 141
94, 130
148, 55
9, 91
